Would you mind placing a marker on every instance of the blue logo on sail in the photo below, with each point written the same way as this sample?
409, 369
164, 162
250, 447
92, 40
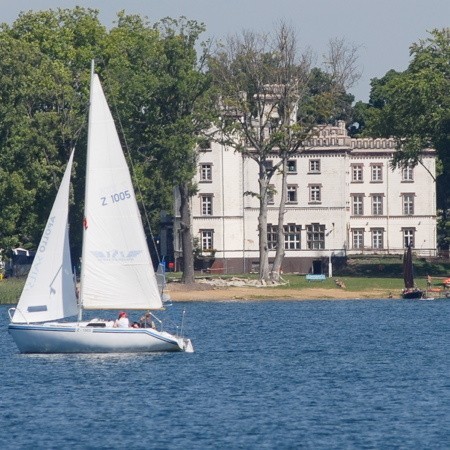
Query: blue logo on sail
116, 255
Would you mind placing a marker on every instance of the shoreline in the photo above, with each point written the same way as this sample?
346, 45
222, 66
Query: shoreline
201, 292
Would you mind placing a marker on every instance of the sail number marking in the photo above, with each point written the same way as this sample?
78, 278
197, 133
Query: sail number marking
115, 198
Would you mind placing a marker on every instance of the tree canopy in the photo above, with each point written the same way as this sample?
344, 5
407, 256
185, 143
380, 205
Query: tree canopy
154, 84
414, 107
43, 99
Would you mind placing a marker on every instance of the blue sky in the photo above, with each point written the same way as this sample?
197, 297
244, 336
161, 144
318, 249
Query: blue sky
383, 29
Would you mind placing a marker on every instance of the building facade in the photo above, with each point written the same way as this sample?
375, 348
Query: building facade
342, 198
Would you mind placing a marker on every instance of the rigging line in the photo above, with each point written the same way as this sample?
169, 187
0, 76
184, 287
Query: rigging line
134, 174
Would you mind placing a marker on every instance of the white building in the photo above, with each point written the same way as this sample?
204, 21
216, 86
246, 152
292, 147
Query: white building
343, 198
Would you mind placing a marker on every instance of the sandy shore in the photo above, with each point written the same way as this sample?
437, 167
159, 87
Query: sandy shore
202, 292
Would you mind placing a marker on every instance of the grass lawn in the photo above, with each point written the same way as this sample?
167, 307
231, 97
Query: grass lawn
351, 283
11, 288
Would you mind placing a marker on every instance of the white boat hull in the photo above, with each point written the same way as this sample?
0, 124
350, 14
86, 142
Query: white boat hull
76, 338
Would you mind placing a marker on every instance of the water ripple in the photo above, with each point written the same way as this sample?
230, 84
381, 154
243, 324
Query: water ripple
313, 375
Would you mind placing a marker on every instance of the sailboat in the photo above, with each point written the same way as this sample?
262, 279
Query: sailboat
410, 290
116, 267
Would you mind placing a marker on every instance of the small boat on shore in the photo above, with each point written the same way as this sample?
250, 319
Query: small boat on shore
410, 291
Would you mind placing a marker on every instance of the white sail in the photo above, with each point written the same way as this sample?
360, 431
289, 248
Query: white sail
49, 292
161, 277
117, 271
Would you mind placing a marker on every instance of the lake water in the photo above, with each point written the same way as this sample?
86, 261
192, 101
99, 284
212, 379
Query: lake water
265, 375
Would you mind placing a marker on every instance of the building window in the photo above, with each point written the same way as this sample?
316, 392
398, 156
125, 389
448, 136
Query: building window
291, 194
271, 236
292, 166
271, 194
358, 204
206, 172
206, 239
205, 145
407, 174
358, 238
315, 236
292, 237
408, 237
315, 193
377, 205
357, 173
206, 202
408, 204
377, 238
377, 173
268, 165
314, 166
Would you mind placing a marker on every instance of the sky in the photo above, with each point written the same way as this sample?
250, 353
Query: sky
383, 30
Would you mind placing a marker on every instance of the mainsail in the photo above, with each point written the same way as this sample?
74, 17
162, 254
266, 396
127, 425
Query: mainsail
49, 291
117, 270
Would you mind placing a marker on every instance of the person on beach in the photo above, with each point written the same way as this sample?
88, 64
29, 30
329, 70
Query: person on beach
122, 321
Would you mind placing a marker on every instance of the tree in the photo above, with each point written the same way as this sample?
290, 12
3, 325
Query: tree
413, 107
152, 80
324, 101
163, 103
185, 104
268, 108
42, 111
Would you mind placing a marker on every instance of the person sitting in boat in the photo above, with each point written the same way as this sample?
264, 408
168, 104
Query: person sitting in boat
122, 321
146, 321
135, 325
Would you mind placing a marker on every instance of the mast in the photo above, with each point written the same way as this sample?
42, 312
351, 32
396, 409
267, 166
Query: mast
408, 275
85, 220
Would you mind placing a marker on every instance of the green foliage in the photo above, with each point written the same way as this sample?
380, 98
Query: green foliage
43, 97
413, 106
10, 290
325, 102
152, 80
352, 283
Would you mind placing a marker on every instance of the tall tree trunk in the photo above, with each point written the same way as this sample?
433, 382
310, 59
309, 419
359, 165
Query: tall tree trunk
279, 255
186, 234
264, 273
